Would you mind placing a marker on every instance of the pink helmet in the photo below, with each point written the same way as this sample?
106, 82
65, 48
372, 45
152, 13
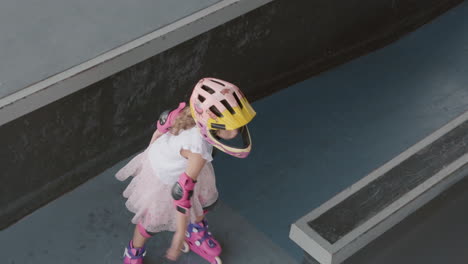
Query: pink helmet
219, 105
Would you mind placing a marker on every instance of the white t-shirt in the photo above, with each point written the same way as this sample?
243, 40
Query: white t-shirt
164, 153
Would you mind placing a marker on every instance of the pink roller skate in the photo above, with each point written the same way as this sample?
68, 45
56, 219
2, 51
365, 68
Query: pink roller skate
199, 240
134, 255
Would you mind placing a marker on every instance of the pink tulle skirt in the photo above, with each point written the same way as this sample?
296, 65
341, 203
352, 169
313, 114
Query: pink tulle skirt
150, 199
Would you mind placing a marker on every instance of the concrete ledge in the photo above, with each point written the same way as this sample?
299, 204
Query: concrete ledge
352, 219
60, 85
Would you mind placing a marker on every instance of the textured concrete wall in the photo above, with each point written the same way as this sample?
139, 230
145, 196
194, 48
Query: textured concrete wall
54, 149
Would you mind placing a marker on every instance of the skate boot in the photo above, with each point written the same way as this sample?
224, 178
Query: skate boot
134, 255
199, 240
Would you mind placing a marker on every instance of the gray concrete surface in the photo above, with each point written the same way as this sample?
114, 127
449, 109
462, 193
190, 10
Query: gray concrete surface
321, 135
41, 38
92, 225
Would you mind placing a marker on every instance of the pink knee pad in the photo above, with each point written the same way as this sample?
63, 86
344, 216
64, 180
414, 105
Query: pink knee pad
143, 231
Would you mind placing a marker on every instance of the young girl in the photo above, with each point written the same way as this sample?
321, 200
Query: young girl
173, 179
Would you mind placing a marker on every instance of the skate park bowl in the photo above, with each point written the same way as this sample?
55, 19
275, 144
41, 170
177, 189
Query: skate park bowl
68, 120
365, 210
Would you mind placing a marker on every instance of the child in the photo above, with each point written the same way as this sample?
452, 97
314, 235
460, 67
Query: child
173, 179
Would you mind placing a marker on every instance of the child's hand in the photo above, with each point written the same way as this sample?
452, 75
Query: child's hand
173, 253
178, 239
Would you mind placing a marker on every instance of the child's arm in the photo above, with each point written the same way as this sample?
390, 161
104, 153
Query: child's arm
182, 190
178, 238
195, 165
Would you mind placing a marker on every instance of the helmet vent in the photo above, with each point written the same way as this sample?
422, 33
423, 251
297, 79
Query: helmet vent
218, 126
237, 100
228, 107
201, 98
208, 89
216, 111
217, 82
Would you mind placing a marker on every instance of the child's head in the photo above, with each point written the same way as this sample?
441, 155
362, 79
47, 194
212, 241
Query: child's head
227, 134
221, 110
185, 121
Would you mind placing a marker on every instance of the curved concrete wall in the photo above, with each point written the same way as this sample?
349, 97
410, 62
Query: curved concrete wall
52, 150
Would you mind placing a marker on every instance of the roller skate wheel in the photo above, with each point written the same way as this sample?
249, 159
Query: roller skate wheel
185, 247
217, 261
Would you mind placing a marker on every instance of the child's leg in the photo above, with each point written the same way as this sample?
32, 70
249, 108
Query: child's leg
200, 239
140, 236
135, 251
199, 218
205, 211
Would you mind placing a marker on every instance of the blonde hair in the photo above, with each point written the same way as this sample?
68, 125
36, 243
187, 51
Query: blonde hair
183, 121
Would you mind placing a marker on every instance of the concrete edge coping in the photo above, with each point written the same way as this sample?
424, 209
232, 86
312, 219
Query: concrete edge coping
324, 252
78, 77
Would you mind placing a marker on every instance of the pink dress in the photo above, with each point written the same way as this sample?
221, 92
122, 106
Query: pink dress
155, 171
